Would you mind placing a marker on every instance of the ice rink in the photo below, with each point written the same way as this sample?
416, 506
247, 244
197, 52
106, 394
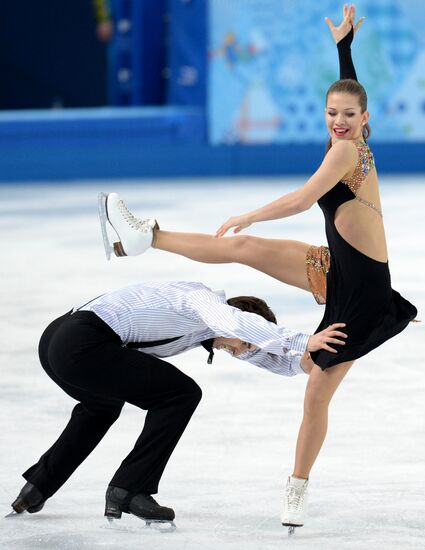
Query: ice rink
226, 477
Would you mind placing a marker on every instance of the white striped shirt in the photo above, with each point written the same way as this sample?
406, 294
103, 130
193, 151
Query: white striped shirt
156, 311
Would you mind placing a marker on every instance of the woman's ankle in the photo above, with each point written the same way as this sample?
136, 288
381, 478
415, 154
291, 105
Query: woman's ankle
155, 231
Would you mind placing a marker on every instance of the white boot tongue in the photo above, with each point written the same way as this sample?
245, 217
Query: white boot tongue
297, 482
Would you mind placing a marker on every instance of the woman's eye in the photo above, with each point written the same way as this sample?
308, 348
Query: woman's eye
350, 115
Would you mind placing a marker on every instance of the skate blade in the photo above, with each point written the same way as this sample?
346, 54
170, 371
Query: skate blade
161, 526
104, 223
12, 514
291, 528
156, 525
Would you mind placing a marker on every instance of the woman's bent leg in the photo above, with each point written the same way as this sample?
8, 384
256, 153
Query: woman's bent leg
320, 388
285, 260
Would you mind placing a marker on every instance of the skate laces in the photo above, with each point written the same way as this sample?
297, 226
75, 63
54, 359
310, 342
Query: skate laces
295, 498
135, 223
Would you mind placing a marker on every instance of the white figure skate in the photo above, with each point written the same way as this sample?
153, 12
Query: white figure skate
132, 236
294, 504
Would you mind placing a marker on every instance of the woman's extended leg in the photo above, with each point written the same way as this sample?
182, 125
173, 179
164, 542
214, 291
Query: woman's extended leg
285, 260
319, 391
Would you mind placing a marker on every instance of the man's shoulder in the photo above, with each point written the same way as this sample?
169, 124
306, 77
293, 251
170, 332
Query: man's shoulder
184, 286
188, 287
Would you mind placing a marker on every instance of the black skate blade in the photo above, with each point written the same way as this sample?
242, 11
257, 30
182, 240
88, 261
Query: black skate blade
153, 524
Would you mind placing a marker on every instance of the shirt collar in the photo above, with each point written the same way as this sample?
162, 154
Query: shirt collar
221, 294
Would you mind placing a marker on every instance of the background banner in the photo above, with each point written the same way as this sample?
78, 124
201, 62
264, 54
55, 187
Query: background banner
271, 62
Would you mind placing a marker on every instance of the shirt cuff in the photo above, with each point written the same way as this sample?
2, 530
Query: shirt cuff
299, 342
296, 365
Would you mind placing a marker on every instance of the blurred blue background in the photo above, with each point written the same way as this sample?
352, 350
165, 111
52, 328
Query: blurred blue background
180, 88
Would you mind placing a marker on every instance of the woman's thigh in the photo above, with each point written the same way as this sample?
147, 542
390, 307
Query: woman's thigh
285, 260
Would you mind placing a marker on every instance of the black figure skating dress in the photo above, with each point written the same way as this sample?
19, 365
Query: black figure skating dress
359, 289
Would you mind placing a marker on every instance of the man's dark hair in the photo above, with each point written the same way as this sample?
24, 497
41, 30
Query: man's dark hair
245, 303
253, 305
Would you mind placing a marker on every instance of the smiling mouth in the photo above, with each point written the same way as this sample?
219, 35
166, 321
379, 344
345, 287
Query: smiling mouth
340, 132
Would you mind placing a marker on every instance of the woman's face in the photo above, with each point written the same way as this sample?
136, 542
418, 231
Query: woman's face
344, 117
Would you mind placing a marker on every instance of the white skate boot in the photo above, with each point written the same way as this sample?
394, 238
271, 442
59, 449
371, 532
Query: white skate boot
134, 235
294, 503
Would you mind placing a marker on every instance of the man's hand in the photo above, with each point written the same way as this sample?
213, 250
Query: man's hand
348, 18
322, 339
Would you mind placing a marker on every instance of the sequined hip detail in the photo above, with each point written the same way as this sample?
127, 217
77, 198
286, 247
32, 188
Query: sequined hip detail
317, 264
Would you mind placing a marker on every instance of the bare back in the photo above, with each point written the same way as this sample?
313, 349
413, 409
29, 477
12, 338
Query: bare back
359, 221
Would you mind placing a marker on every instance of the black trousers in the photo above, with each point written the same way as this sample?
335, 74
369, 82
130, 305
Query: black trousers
84, 356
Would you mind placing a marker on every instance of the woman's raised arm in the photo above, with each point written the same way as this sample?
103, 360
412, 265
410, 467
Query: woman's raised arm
343, 36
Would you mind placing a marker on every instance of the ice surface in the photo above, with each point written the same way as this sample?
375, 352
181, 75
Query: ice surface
226, 477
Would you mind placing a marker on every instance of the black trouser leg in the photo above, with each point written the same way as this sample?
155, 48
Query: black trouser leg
89, 422
169, 411
83, 356
81, 435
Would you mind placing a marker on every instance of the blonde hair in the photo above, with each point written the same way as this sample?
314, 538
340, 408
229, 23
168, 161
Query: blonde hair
352, 87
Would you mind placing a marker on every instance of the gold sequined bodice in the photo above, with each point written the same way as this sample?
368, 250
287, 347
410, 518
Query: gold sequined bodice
364, 165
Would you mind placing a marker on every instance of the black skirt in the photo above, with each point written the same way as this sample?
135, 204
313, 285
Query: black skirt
358, 293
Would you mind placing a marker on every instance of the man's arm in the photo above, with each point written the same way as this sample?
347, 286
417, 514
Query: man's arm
203, 305
284, 365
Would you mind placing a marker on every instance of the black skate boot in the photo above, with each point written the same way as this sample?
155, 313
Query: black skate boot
29, 500
143, 505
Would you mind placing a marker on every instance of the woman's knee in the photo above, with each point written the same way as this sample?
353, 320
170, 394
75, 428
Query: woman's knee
316, 403
322, 386
240, 246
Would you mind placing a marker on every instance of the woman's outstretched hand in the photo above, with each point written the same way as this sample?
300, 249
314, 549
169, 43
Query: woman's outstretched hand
238, 222
322, 339
348, 18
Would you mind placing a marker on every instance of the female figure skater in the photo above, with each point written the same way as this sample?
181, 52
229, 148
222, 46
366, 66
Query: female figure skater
351, 276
